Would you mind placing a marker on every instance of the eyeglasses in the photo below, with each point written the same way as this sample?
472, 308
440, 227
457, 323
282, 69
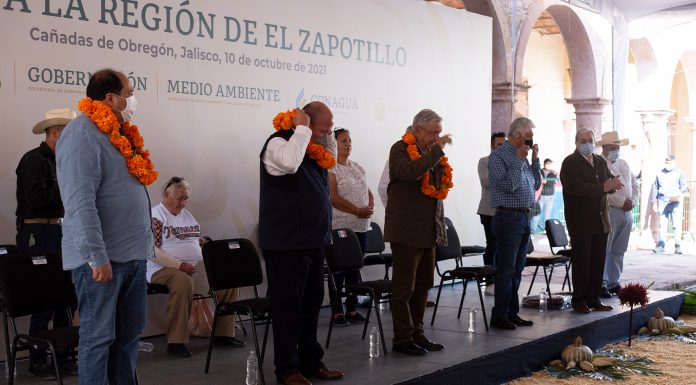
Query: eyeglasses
175, 179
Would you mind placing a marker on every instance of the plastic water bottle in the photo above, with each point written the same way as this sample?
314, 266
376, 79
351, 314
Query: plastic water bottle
374, 342
472, 320
145, 347
252, 375
543, 303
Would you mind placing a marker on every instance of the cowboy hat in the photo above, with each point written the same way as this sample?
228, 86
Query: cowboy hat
57, 117
611, 137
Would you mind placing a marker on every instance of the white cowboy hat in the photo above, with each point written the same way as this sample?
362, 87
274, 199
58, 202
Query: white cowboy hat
611, 137
57, 117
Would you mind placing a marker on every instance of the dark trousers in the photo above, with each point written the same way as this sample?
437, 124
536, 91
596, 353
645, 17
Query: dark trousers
296, 291
411, 280
349, 278
489, 254
36, 239
589, 252
512, 234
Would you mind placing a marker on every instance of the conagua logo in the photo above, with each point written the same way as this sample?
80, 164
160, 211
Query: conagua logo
332, 101
300, 100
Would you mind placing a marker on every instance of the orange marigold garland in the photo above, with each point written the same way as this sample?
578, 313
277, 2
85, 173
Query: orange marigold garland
125, 137
285, 121
446, 178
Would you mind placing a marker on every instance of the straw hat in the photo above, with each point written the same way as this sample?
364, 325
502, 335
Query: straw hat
611, 137
57, 117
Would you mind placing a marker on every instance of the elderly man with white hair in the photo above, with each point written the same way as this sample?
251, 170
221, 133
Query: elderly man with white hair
586, 183
178, 265
512, 181
621, 203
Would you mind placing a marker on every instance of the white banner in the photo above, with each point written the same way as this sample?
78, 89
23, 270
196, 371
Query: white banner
210, 76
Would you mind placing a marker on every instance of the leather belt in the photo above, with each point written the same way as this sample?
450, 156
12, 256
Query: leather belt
43, 221
513, 210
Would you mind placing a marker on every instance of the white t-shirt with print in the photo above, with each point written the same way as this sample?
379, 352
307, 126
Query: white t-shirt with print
177, 235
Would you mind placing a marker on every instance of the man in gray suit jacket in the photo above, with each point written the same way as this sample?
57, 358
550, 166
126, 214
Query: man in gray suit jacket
485, 211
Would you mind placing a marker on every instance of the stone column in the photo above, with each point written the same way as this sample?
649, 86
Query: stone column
588, 113
691, 124
501, 109
653, 151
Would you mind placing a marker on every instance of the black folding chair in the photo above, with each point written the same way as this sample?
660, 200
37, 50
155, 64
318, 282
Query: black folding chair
556, 234
234, 263
481, 274
34, 284
546, 262
345, 255
375, 249
4, 251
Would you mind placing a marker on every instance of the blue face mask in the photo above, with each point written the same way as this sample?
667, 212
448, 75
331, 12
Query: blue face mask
613, 155
586, 148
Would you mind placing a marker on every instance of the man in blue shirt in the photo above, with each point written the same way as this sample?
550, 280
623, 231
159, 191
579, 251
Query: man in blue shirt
667, 192
107, 235
512, 182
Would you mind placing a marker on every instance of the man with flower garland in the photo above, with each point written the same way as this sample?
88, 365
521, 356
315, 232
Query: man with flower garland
294, 228
107, 238
419, 179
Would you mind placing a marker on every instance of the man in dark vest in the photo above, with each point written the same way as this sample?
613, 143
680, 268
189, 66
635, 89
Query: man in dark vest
586, 181
294, 228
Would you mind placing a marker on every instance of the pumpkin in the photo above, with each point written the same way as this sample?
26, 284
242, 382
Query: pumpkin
576, 352
660, 322
643, 331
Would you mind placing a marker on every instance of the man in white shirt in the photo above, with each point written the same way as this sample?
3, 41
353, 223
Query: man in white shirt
294, 228
621, 203
178, 265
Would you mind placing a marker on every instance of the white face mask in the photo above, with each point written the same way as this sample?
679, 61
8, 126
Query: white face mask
613, 155
669, 167
131, 105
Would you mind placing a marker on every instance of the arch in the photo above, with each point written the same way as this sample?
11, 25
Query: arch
501, 38
644, 57
583, 72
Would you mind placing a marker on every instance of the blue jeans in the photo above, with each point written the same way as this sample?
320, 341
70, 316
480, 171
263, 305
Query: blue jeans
44, 239
672, 210
112, 315
511, 232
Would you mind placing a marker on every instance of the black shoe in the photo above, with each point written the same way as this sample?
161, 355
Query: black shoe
605, 293
341, 321
178, 350
429, 345
68, 367
228, 341
411, 349
677, 250
521, 321
502, 323
615, 290
357, 317
430, 304
42, 371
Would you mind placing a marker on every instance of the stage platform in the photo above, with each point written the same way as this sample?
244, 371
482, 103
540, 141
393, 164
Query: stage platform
482, 357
